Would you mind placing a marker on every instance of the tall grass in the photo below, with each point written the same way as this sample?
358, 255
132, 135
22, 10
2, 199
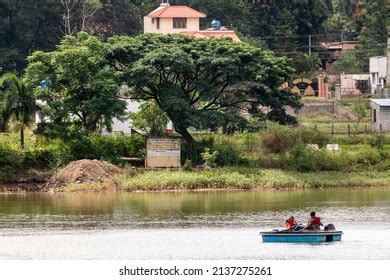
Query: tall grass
248, 178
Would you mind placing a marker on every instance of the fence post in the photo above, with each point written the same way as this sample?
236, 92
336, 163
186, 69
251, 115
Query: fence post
380, 128
332, 130
349, 130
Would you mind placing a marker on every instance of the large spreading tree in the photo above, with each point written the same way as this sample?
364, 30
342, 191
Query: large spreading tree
203, 83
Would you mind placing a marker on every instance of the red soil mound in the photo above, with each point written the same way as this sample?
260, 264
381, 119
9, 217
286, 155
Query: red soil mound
86, 171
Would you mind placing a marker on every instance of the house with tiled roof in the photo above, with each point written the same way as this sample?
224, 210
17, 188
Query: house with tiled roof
168, 19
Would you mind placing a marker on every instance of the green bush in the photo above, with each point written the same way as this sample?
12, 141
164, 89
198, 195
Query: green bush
209, 159
229, 153
10, 163
193, 153
305, 159
279, 139
366, 157
377, 141
47, 157
109, 148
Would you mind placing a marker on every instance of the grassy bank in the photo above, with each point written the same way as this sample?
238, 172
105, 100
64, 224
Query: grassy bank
238, 178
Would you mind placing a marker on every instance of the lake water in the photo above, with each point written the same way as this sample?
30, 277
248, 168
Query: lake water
206, 225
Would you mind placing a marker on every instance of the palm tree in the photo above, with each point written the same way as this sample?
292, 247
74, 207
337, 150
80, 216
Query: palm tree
17, 102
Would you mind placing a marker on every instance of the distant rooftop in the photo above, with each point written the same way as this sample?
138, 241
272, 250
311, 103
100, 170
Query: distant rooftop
213, 34
381, 102
167, 11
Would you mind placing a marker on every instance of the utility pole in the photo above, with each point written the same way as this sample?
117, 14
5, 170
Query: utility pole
309, 44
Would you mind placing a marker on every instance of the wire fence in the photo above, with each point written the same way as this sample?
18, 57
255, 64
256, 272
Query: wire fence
345, 129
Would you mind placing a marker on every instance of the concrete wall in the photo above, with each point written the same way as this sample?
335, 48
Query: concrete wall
125, 126
378, 72
314, 108
166, 25
382, 118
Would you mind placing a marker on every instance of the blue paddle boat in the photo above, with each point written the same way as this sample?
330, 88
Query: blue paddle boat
301, 236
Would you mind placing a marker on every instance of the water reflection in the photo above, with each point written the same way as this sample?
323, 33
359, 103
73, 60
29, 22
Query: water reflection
209, 225
203, 209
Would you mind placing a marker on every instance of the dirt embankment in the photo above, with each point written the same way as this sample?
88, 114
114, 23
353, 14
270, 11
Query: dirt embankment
86, 171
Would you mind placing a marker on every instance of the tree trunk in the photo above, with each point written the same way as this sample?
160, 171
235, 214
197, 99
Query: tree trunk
22, 138
187, 136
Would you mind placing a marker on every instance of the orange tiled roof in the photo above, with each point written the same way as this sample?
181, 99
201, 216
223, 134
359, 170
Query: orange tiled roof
176, 11
213, 34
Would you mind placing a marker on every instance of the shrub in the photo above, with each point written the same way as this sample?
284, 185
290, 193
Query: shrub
228, 154
109, 148
377, 141
279, 139
209, 159
188, 166
10, 163
47, 157
366, 157
250, 142
301, 158
192, 153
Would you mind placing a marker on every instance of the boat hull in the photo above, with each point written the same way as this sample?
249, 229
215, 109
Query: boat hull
301, 237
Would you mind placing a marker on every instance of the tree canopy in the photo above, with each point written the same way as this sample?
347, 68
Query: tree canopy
202, 83
284, 26
75, 84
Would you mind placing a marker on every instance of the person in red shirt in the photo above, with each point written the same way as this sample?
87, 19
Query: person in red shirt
314, 223
291, 223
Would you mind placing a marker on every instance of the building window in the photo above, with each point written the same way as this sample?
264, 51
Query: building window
158, 23
179, 22
374, 115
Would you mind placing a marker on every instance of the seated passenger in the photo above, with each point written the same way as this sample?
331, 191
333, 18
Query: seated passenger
314, 223
291, 223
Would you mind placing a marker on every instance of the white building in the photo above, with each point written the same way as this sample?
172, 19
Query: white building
380, 115
378, 72
168, 19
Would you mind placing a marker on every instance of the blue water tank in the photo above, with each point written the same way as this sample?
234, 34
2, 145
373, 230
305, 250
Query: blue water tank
216, 24
45, 84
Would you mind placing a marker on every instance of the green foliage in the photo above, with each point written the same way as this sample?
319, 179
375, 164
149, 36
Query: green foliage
46, 157
58, 154
304, 159
347, 63
188, 165
373, 35
209, 159
10, 163
307, 64
150, 119
17, 101
119, 17
82, 88
338, 22
202, 83
191, 152
361, 109
27, 26
230, 153
377, 141
279, 139
108, 148
249, 178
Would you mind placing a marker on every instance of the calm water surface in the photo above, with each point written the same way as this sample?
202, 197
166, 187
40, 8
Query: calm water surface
211, 225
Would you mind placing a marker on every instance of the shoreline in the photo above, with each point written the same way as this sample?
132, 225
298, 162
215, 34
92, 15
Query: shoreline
219, 179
